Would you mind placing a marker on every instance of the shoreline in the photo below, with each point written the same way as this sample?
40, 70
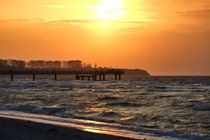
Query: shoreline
23, 128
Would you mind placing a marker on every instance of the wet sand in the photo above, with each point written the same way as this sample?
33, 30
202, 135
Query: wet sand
19, 129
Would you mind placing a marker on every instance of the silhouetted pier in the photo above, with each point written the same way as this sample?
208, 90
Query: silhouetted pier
81, 74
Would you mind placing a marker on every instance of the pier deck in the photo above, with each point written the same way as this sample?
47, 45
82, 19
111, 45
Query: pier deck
81, 74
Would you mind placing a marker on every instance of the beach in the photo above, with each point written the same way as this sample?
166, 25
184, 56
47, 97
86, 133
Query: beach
19, 129
12, 129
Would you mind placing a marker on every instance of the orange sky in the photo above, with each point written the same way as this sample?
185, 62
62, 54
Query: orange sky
164, 37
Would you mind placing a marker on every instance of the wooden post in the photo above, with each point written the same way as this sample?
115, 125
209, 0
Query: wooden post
77, 77
119, 76
55, 76
115, 76
34, 76
95, 77
82, 78
12, 77
104, 77
101, 74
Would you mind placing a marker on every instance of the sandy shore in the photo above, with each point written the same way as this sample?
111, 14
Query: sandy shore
19, 129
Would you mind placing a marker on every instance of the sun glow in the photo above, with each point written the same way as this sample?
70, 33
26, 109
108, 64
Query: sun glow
110, 10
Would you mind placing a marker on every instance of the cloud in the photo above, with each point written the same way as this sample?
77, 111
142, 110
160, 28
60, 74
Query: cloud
195, 20
96, 21
199, 14
21, 20
117, 23
74, 21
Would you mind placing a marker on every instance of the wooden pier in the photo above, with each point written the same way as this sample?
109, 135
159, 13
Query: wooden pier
81, 74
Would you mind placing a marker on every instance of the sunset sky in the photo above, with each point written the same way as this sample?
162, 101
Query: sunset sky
165, 37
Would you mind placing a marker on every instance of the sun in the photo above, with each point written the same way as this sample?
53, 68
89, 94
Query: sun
110, 10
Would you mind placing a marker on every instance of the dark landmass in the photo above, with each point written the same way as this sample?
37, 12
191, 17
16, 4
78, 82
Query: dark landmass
137, 72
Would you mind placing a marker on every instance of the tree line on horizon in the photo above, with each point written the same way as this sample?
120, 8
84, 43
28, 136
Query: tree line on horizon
20, 64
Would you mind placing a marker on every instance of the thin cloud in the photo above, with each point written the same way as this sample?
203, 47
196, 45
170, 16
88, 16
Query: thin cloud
204, 13
22, 20
95, 21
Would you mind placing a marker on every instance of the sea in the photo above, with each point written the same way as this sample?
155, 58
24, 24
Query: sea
162, 107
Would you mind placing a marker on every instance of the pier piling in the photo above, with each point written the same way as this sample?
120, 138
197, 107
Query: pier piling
115, 77
119, 76
100, 77
34, 76
55, 77
104, 77
12, 77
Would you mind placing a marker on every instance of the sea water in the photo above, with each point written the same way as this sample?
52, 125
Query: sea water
176, 107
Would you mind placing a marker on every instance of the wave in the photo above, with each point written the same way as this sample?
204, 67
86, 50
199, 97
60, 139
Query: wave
107, 98
202, 107
102, 91
110, 114
33, 109
124, 104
